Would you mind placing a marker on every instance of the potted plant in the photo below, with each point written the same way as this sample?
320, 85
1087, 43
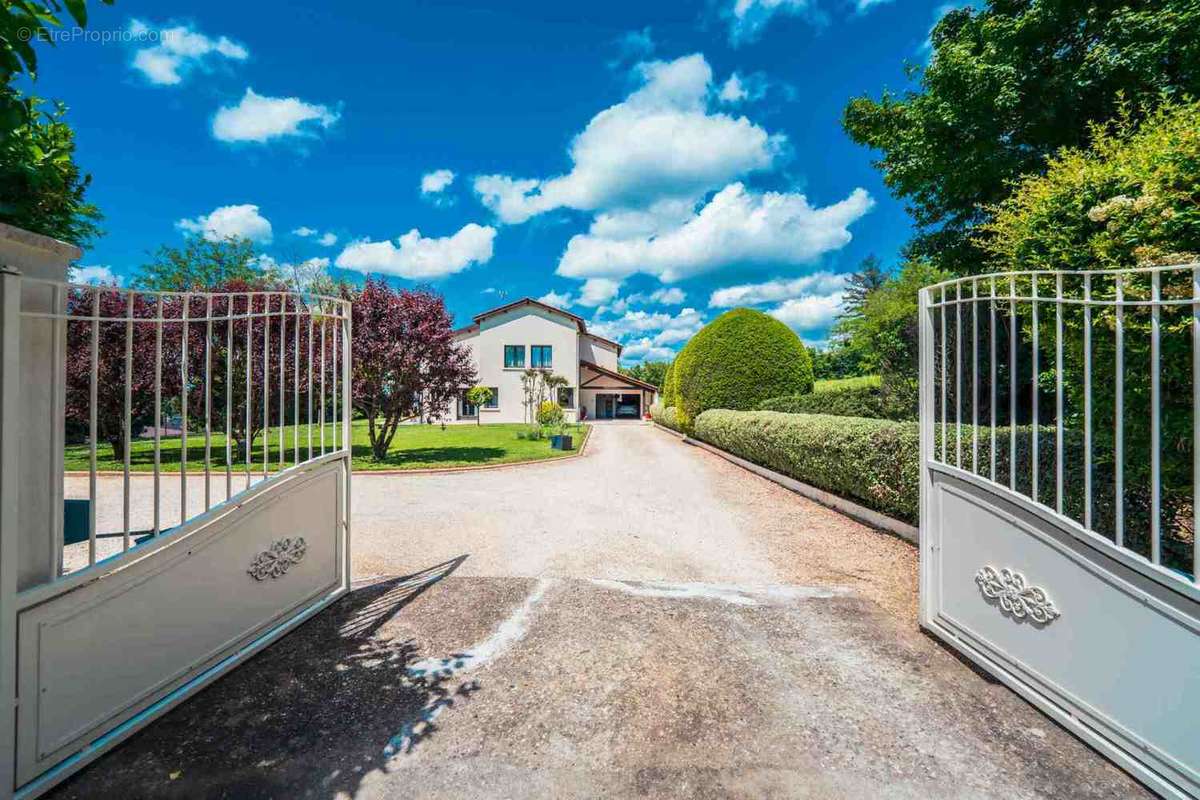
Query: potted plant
550, 415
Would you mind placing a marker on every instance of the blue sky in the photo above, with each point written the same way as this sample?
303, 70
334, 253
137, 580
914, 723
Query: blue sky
644, 165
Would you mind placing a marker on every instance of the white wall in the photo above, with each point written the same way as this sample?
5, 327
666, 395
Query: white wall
524, 326
598, 353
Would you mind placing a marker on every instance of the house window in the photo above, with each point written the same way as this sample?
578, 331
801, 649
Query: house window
540, 356
494, 402
566, 396
514, 355
466, 409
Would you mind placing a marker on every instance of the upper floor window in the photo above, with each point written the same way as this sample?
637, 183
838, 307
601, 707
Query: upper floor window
540, 356
514, 355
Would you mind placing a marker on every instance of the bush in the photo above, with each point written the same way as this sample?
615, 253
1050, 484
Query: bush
665, 416
736, 361
549, 414
844, 397
876, 462
668, 398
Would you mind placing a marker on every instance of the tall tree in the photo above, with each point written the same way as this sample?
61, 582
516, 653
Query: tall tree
1008, 85
201, 264
867, 278
406, 362
654, 372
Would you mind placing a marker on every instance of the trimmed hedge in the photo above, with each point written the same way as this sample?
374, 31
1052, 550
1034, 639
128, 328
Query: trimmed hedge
736, 361
876, 462
665, 416
847, 397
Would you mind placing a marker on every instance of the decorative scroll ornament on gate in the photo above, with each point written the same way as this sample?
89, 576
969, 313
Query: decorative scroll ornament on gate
1007, 587
278, 558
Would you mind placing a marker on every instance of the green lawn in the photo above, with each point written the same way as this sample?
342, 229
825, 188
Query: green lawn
415, 447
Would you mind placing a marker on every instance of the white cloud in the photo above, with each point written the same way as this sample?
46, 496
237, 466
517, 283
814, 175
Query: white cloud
780, 289
659, 144
644, 349
95, 274
555, 299
241, 221
666, 328
436, 181
740, 88
257, 118
666, 296
811, 313
737, 226
328, 239
417, 257
179, 51
597, 291
863, 6
304, 230
490, 290
748, 18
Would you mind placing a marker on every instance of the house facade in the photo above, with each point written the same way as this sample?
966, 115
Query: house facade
528, 334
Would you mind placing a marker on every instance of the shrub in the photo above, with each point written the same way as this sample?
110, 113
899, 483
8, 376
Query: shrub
844, 397
736, 361
550, 414
668, 398
877, 462
665, 416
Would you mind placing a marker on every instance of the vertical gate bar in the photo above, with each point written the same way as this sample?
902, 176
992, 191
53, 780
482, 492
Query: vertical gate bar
309, 384
1033, 388
282, 372
183, 426
1155, 421
321, 408
942, 314
926, 399
1012, 383
1195, 424
157, 419
1087, 400
975, 376
1058, 393
295, 315
92, 400
128, 418
10, 516
1119, 419
958, 375
347, 385
249, 357
228, 396
333, 378
992, 382
208, 403
266, 374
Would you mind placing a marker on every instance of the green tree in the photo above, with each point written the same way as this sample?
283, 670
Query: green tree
1005, 88
200, 263
479, 396
653, 372
867, 278
42, 189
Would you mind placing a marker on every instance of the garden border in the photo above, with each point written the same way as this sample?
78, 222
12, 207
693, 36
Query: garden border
859, 513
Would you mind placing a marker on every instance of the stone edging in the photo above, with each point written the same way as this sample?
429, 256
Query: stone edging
867, 516
363, 472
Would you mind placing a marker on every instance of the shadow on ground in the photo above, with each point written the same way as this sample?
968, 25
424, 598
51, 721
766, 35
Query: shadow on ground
434, 455
316, 710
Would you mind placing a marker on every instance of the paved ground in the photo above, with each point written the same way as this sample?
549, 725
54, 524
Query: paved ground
647, 620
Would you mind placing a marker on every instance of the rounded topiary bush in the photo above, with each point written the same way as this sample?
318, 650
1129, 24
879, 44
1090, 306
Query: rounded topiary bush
736, 361
667, 397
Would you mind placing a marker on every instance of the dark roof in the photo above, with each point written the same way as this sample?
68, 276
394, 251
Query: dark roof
618, 375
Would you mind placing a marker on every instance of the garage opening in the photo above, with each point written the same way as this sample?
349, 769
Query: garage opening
619, 406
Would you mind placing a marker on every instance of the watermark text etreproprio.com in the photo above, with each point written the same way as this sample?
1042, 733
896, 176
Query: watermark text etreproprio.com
90, 35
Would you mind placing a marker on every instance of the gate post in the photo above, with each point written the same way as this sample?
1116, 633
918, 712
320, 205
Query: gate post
926, 544
10, 467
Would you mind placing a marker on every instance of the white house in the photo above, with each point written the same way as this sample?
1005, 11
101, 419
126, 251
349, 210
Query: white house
528, 334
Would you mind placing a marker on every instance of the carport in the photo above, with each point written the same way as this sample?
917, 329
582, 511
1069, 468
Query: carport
605, 394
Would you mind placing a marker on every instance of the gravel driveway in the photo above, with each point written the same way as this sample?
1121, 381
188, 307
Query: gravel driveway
645, 620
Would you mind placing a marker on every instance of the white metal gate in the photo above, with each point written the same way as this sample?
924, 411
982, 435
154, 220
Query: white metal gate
1060, 424
224, 523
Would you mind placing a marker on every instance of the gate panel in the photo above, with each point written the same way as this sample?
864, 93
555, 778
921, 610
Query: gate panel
94, 657
1116, 657
1058, 512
